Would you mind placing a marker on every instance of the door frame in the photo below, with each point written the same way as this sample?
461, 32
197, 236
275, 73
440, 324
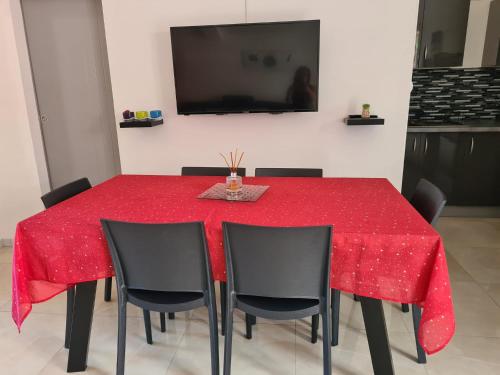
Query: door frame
31, 96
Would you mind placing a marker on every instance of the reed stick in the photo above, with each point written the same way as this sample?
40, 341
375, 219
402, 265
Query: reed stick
225, 160
239, 161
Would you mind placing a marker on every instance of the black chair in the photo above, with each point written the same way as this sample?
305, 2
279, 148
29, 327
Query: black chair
277, 273
429, 201
54, 197
297, 172
51, 199
65, 192
288, 172
210, 171
161, 267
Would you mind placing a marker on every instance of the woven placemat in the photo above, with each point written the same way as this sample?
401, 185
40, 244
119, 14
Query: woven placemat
250, 193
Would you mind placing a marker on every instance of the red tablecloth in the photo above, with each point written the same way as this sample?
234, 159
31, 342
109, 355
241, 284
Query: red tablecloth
382, 247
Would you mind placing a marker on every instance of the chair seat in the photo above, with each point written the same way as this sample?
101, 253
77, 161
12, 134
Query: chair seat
278, 308
166, 301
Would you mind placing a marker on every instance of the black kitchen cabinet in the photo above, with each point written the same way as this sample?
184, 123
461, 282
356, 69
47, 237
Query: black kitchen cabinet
440, 156
432, 156
465, 166
413, 164
478, 170
442, 28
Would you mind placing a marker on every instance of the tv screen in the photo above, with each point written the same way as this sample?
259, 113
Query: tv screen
252, 67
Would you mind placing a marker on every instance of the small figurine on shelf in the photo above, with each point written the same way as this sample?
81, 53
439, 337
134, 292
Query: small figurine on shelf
366, 111
142, 115
128, 115
155, 114
234, 182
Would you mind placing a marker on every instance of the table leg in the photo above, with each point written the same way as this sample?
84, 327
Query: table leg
376, 332
83, 312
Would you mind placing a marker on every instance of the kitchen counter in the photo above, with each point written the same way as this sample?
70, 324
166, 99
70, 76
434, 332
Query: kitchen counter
471, 126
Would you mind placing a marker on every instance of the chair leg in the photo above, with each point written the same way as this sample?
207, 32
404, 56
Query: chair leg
253, 319
248, 325
327, 350
163, 326
417, 315
335, 302
314, 328
122, 334
223, 306
108, 284
70, 302
171, 316
214, 336
228, 342
147, 326
405, 308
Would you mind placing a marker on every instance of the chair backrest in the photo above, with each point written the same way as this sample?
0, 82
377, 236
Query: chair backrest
288, 172
428, 200
210, 171
65, 192
279, 262
159, 257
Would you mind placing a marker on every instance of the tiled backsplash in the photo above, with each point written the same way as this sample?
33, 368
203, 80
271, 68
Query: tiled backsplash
440, 95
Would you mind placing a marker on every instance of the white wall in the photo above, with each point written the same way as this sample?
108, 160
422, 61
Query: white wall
476, 33
366, 57
19, 184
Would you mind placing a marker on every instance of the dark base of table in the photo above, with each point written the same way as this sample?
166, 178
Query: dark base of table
376, 332
83, 312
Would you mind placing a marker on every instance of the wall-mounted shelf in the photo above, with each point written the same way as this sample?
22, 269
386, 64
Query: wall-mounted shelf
358, 120
149, 123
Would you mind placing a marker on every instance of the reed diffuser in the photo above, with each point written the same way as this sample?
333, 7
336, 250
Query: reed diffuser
234, 182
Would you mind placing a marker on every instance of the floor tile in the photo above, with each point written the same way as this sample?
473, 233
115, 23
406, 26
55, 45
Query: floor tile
482, 263
141, 358
456, 271
352, 356
351, 316
6, 255
476, 313
270, 351
493, 291
465, 232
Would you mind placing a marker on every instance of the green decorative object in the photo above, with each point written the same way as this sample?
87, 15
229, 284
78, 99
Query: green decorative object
366, 111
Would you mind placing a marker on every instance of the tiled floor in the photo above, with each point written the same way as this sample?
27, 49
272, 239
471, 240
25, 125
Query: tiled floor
473, 247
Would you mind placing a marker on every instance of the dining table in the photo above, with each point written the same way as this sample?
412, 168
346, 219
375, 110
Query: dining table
382, 248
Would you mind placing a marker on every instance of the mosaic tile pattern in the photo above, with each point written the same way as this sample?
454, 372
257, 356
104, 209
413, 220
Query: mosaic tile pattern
447, 94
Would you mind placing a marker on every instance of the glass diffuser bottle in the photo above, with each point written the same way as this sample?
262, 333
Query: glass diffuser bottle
234, 186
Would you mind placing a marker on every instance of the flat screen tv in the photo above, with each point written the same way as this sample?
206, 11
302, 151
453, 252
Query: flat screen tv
252, 67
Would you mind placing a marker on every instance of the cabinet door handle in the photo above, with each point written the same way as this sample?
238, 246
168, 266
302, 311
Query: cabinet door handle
426, 145
425, 52
471, 145
414, 144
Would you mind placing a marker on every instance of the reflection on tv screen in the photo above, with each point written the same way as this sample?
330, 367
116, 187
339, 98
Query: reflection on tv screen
267, 67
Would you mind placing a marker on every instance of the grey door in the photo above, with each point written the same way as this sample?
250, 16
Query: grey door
68, 55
